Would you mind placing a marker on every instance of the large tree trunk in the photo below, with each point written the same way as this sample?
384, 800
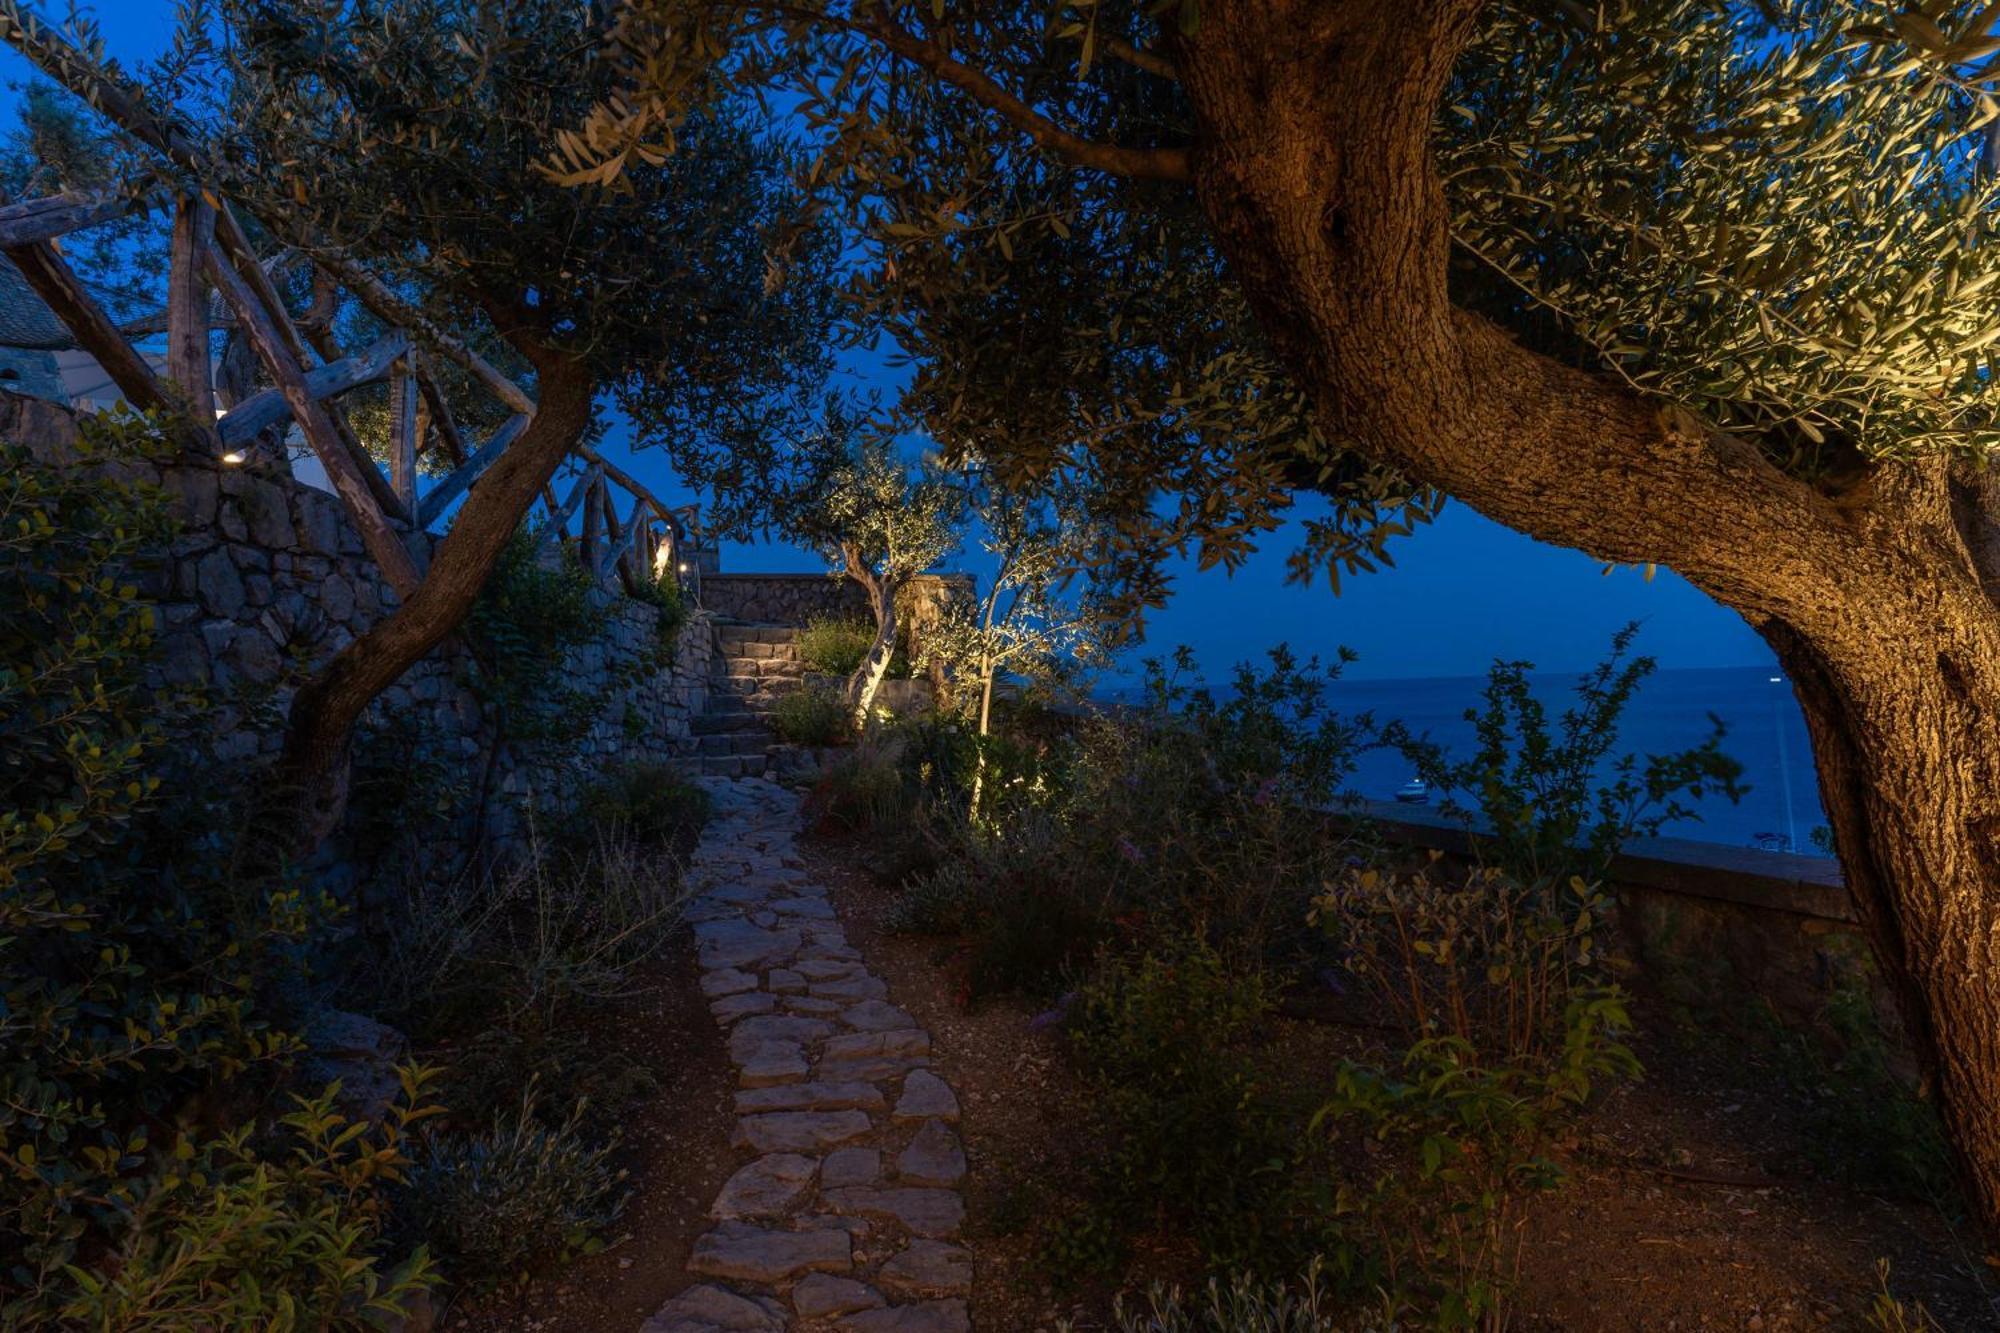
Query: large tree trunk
1315, 166
310, 785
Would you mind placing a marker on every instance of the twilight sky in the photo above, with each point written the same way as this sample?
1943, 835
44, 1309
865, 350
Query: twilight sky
1464, 591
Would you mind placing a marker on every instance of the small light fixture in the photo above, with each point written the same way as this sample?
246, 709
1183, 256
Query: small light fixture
233, 457
684, 569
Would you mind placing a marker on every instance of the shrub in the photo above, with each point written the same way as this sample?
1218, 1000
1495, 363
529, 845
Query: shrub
512, 970
833, 646
650, 805
812, 715
1556, 805
497, 1204
664, 592
132, 961
862, 789
1164, 1039
1499, 991
225, 1235
1187, 810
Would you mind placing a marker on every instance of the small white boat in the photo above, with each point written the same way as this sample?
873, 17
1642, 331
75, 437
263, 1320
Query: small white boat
1414, 792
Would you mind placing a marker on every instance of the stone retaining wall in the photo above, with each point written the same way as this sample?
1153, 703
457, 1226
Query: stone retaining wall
794, 599
267, 579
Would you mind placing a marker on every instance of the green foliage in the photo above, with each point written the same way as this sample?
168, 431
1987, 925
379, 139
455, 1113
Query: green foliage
834, 646
1163, 1039
1555, 805
1498, 988
286, 1235
500, 1203
1866, 1123
647, 804
132, 962
1187, 811
1730, 283
676, 289
665, 593
812, 715
530, 613
1888, 1314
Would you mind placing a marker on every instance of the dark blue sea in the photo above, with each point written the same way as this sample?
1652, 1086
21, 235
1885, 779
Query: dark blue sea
1766, 734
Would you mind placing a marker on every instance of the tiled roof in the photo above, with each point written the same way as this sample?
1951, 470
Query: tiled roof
24, 320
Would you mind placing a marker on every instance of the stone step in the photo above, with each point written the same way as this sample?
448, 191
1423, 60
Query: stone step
761, 667
759, 651
730, 765
723, 719
746, 741
733, 637
745, 687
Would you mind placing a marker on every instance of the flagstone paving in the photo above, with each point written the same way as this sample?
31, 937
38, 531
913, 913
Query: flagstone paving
846, 1210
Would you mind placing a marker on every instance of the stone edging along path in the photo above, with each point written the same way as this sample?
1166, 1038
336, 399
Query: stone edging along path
844, 1213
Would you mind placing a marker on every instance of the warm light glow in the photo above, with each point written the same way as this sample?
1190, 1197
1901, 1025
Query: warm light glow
684, 569
233, 456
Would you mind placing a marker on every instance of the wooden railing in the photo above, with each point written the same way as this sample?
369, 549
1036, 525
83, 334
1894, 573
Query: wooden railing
309, 373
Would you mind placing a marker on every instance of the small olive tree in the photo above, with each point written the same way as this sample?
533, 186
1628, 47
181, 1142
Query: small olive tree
1032, 619
879, 521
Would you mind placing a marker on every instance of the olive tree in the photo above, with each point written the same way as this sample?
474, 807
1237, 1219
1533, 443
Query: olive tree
1704, 286
406, 137
879, 521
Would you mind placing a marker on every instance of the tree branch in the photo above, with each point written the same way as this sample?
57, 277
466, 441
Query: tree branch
1162, 164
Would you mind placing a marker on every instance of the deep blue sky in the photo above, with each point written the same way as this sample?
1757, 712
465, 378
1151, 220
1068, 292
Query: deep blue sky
1464, 591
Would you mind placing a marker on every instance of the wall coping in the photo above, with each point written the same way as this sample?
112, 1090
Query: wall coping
1809, 886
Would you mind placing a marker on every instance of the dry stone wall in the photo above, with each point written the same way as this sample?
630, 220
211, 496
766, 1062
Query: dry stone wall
266, 580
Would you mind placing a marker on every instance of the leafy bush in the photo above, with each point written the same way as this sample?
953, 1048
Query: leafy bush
499, 1203
650, 805
813, 715
664, 592
132, 961
286, 1235
834, 646
528, 616
862, 789
1164, 1040
1553, 806
1188, 810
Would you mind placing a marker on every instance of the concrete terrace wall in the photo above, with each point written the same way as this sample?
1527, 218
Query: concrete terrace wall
267, 579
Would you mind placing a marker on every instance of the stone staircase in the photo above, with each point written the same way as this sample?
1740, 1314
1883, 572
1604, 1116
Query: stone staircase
753, 666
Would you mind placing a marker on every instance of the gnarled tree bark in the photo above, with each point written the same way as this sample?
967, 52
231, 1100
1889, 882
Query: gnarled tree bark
311, 773
1314, 165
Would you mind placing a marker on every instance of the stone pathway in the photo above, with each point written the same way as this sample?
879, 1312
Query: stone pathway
844, 1212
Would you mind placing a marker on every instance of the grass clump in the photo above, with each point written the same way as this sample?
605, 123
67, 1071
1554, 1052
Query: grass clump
835, 646
496, 1204
812, 715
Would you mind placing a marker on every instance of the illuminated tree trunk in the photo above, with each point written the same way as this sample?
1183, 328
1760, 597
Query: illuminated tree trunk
1314, 165
866, 682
